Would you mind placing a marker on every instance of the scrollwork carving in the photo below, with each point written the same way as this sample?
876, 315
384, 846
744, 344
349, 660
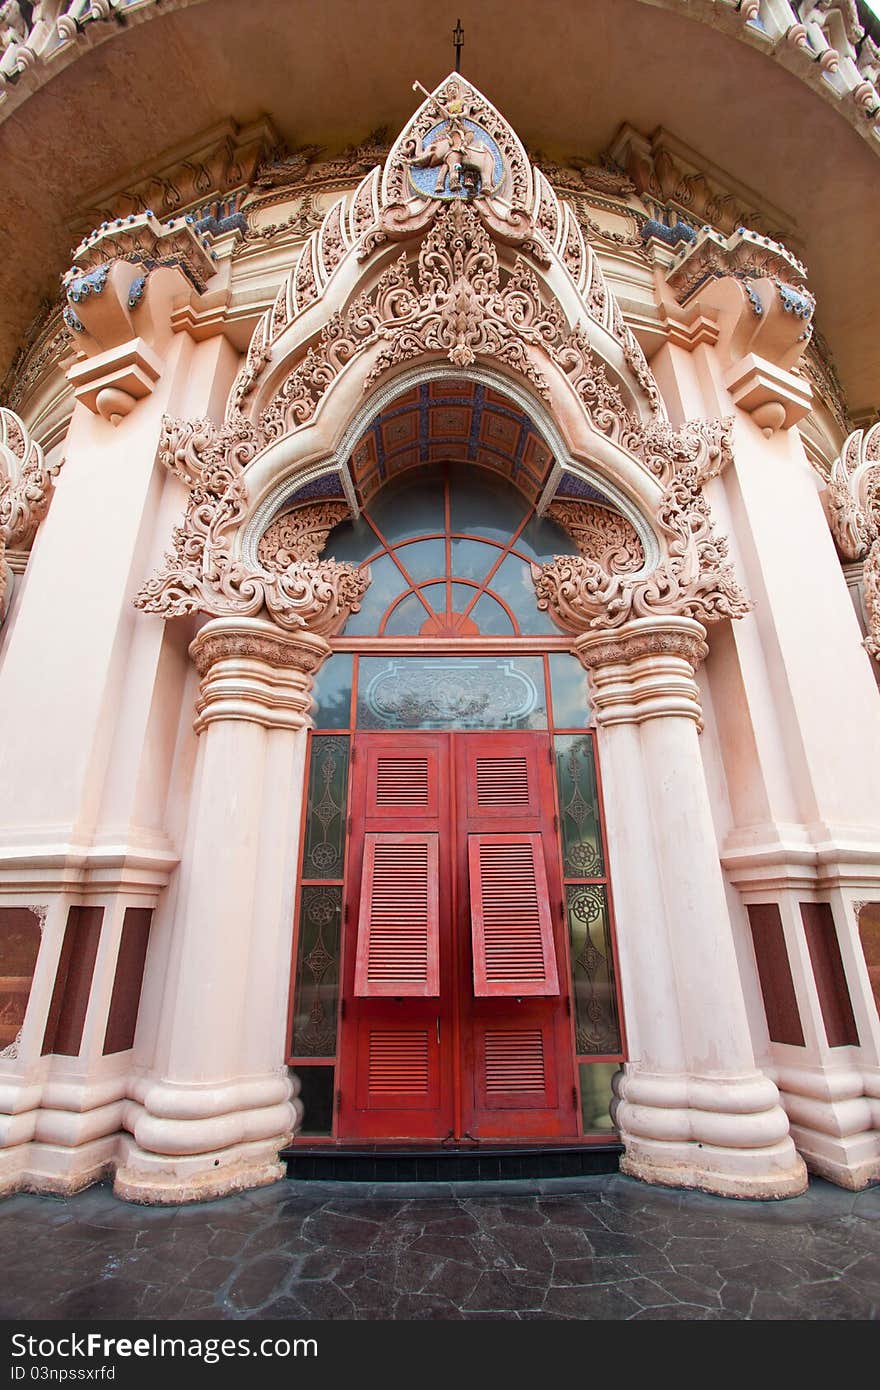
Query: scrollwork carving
300, 534
694, 580
600, 535
458, 307
203, 575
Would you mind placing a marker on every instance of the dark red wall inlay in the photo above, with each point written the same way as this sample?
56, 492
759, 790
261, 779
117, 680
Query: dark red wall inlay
73, 982
774, 973
128, 980
840, 1025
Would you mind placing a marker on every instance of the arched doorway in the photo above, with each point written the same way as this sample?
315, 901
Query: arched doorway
454, 974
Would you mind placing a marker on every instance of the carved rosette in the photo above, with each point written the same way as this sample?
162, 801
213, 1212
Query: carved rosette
203, 575
854, 513
25, 492
694, 579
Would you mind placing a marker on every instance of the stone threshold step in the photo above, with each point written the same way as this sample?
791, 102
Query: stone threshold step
373, 1164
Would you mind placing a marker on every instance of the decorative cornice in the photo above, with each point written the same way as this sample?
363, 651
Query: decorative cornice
808, 39
25, 492
202, 575
208, 178
747, 255
145, 241
673, 181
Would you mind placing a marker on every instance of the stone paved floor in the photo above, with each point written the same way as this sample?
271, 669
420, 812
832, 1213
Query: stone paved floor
604, 1247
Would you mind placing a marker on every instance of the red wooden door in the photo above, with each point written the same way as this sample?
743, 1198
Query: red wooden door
517, 1057
396, 1073
455, 1020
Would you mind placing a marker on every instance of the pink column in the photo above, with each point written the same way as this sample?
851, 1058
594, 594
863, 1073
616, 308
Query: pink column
692, 1107
216, 1103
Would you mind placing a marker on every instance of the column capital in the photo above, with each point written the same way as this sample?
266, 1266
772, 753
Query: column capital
253, 670
644, 669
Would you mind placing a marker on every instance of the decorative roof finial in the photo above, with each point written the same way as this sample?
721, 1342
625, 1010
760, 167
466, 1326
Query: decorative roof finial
458, 40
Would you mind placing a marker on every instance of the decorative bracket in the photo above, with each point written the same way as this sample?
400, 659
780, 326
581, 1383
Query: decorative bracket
108, 312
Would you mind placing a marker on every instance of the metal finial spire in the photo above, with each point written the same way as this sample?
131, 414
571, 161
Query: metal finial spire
458, 40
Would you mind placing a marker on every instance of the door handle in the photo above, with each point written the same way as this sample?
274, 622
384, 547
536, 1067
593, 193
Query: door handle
438, 1030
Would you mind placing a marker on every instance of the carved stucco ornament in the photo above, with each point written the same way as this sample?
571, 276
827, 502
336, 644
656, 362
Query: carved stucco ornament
854, 513
463, 302
203, 575
457, 306
600, 535
693, 580
300, 534
25, 493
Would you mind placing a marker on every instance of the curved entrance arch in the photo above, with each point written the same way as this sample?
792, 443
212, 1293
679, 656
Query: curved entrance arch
295, 478
452, 773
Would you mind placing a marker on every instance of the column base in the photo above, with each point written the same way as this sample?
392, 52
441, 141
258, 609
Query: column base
56, 1170
727, 1135
714, 1170
834, 1123
836, 1161
159, 1180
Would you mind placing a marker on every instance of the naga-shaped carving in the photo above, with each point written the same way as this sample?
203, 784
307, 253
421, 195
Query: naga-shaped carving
25, 492
300, 534
600, 535
203, 575
854, 513
706, 444
694, 580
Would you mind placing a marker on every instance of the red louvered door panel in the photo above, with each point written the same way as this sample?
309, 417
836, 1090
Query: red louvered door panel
511, 923
397, 946
453, 1023
396, 1073
517, 1058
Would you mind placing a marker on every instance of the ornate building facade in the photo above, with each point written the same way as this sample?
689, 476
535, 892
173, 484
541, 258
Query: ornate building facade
440, 595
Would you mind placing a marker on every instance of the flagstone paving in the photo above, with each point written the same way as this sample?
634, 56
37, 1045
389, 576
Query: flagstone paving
602, 1247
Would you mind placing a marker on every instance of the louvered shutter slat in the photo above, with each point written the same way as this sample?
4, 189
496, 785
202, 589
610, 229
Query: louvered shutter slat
398, 948
511, 926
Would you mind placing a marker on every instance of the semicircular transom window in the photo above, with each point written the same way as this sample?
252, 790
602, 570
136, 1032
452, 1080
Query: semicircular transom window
449, 554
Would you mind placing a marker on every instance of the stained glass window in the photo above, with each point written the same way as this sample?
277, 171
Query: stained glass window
449, 557
579, 807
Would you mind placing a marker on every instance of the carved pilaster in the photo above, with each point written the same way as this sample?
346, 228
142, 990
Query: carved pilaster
645, 670
25, 492
854, 514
